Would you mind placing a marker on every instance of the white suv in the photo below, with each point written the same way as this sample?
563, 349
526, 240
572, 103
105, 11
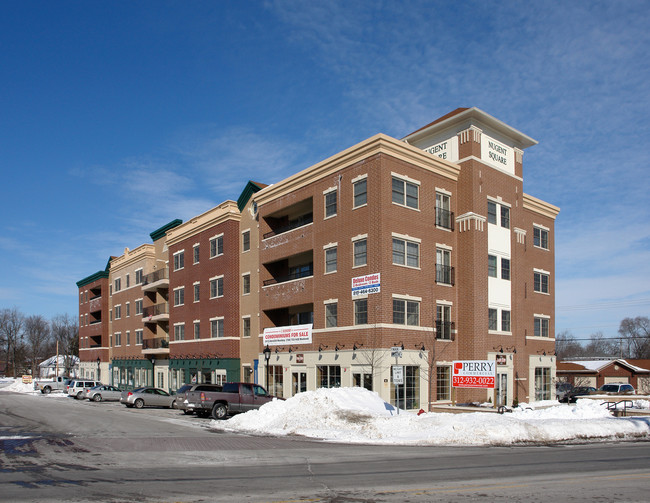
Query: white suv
77, 387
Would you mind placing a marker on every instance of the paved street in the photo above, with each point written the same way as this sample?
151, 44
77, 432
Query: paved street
59, 449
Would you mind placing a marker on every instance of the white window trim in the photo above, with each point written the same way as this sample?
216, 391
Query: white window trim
359, 178
443, 191
220, 235
541, 271
444, 247
444, 302
331, 189
540, 226
499, 200
406, 178
411, 298
358, 237
330, 301
174, 258
330, 245
406, 237
545, 316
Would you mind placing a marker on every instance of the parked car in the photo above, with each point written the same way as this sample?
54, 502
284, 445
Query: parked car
185, 391
233, 398
617, 388
103, 393
573, 395
46, 386
147, 397
561, 389
76, 388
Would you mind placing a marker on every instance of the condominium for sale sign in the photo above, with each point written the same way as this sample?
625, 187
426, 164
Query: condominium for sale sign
473, 374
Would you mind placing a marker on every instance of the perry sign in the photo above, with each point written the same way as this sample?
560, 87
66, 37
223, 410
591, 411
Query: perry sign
293, 334
473, 374
364, 285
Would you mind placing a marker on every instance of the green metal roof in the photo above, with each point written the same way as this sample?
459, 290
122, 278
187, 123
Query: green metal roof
159, 233
92, 278
249, 190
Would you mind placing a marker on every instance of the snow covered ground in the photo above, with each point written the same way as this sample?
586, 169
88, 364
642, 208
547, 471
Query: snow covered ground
356, 415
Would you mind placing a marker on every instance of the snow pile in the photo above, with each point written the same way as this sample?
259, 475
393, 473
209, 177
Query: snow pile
19, 387
356, 415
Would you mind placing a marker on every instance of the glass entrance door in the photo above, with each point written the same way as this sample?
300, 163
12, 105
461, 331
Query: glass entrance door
362, 380
298, 382
502, 389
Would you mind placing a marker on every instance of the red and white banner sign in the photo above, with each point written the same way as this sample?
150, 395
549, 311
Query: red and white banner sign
473, 374
293, 334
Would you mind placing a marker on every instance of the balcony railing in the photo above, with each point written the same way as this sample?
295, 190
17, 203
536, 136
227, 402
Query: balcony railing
293, 224
444, 330
155, 276
156, 310
445, 274
303, 272
445, 219
156, 343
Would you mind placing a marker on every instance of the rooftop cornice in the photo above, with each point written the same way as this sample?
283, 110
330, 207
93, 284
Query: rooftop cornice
378, 144
143, 251
225, 211
542, 207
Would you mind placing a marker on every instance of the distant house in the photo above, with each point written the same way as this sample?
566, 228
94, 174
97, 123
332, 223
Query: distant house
598, 372
67, 365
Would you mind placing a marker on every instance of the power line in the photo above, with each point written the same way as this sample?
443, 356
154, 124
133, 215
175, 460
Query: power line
604, 305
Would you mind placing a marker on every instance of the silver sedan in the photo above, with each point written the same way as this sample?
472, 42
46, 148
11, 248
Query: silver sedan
103, 393
147, 397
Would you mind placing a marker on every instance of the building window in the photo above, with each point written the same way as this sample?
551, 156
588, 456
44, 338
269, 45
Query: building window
444, 217
361, 312
493, 320
196, 253
492, 212
276, 381
197, 292
330, 203
406, 312
216, 246
443, 383
197, 330
331, 314
118, 312
505, 217
405, 193
179, 296
330, 259
138, 277
444, 325
128, 309
118, 338
409, 392
179, 332
540, 282
179, 260
541, 327
360, 252
492, 266
246, 327
540, 238
118, 285
328, 376
216, 287
406, 253
360, 193
246, 240
505, 321
138, 306
216, 328
128, 338
542, 383
246, 284
505, 268
444, 271
138, 337
128, 280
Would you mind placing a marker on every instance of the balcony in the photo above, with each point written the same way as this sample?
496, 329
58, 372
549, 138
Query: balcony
301, 221
444, 219
304, 271
154, 314
156, 280
156, 345
445, 274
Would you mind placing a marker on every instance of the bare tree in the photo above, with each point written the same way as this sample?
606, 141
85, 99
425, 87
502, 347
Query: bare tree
600, 346
66, 332
635, 333
11, 334
567, 347
37, 334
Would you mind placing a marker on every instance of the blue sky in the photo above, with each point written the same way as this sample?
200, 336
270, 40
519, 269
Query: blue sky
117, 117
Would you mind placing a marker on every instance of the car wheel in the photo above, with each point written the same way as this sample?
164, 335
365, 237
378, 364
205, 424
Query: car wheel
97, 397
78, 395
219, 411
139, 403
174, 405
47, 390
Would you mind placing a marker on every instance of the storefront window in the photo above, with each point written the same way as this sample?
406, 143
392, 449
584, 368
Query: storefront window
409, 392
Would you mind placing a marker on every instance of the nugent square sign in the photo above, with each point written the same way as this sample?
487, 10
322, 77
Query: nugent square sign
473, 374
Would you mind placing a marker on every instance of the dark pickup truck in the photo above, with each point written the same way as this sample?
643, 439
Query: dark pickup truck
234, 397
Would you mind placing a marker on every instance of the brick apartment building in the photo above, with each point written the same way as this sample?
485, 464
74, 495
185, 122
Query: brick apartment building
458, 259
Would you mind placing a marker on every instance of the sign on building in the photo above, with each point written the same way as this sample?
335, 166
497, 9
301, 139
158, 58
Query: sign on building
293, 334
364, 285
473, 374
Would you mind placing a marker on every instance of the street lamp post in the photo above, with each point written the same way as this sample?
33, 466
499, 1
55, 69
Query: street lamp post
153, 372
98, 369
267, 357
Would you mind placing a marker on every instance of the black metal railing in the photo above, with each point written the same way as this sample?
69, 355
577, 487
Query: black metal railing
445, 274
445, 218
155, 310
303, 272
444, 330
293, 224
152, 277
155, 343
